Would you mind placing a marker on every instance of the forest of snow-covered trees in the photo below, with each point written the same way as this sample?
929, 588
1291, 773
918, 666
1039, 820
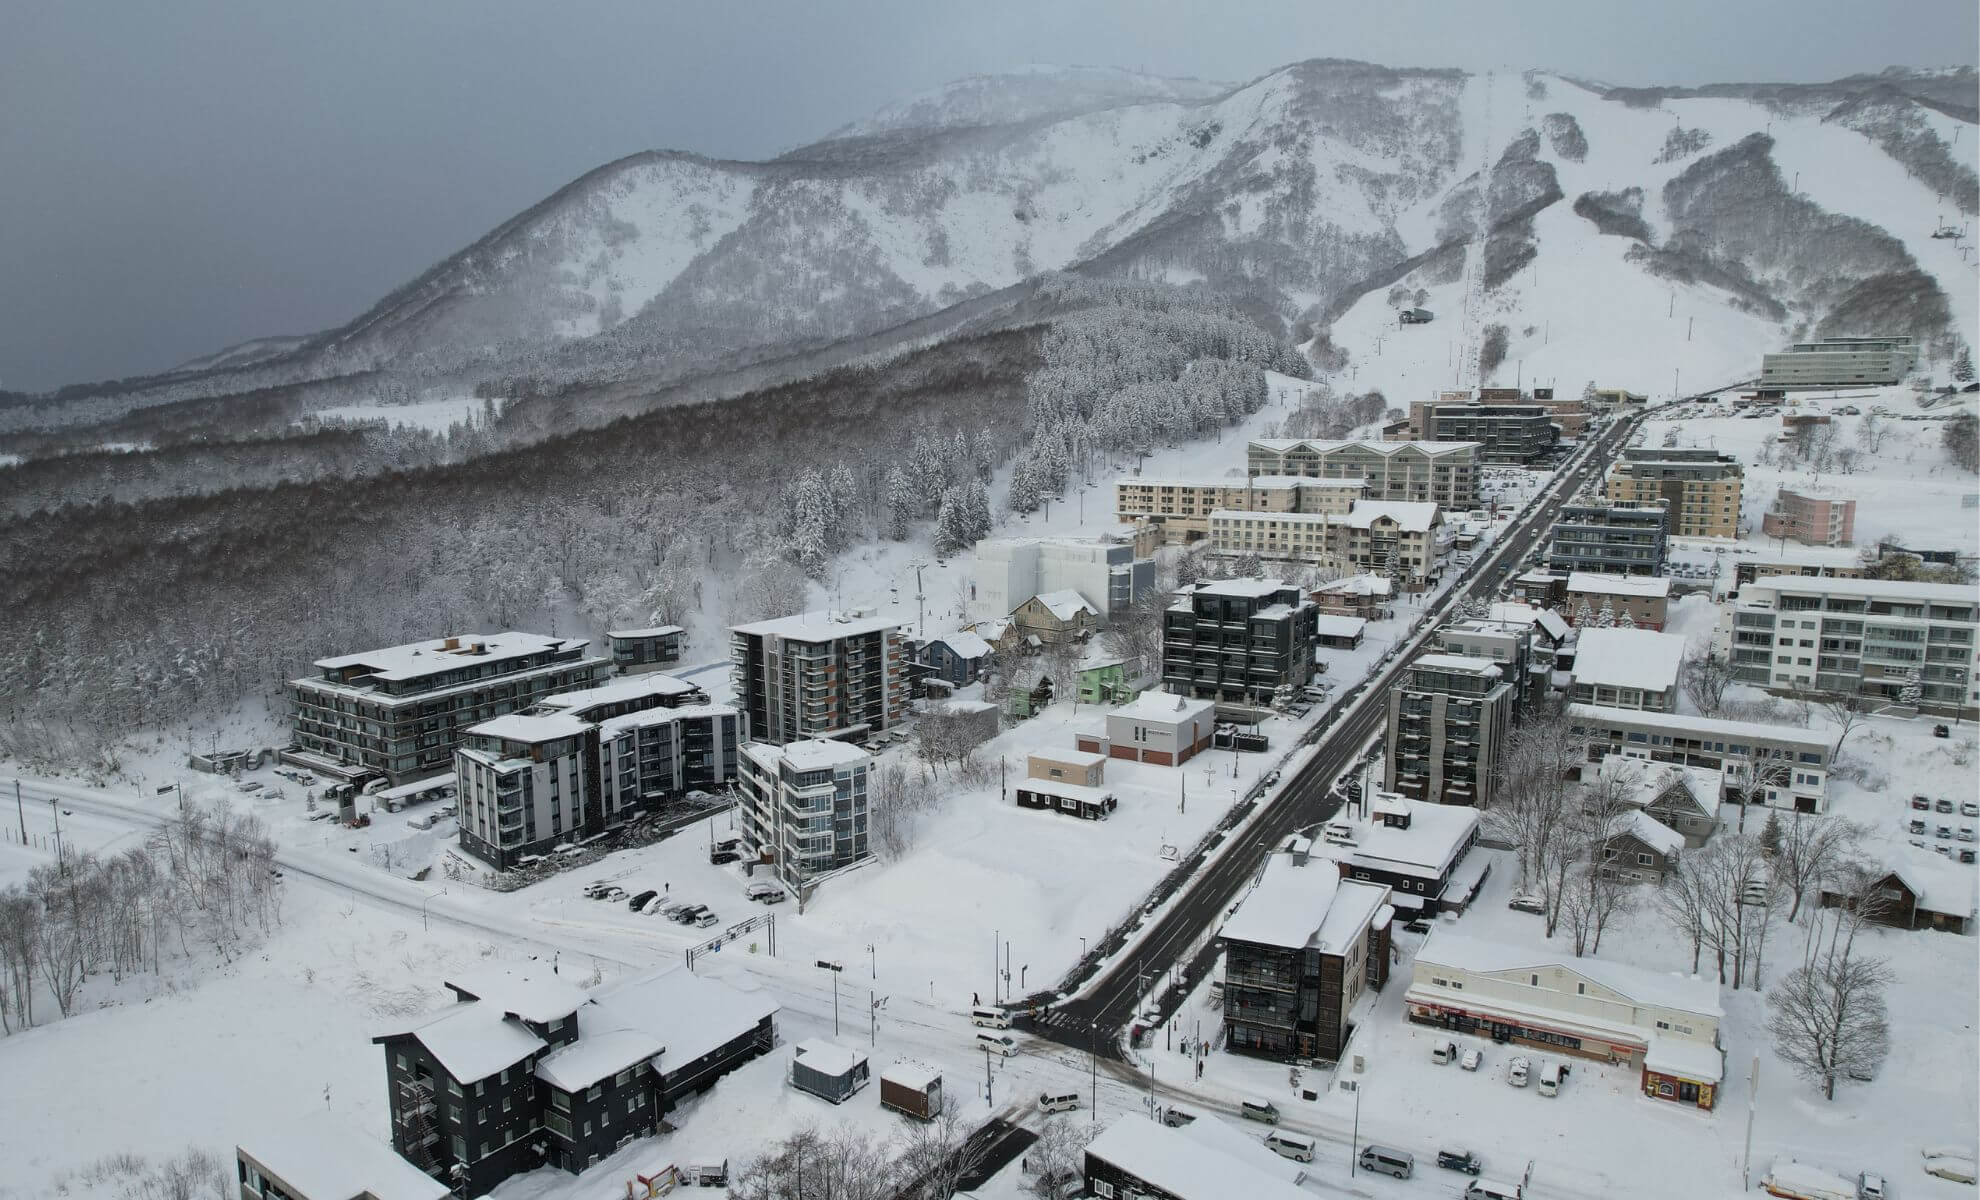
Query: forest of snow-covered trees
140, 618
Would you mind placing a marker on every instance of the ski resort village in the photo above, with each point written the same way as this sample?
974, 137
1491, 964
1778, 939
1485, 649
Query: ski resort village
1487, 711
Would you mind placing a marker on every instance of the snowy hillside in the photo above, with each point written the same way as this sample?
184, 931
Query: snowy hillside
1298, 193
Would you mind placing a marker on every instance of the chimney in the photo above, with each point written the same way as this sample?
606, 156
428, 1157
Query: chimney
452, 643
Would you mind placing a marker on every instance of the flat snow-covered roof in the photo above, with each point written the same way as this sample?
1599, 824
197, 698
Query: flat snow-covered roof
1252, 588
1600, 584
1695, 1061
816, 627
415, 660
1462, 664
1462, 952
1188, 1167
1070, 791
823, 1054
633, 687
656, 631
1070, 758
533, 995
910, 1074
473, 1040
1868, 589
1287, 906
1629, 658
516, 727
1328, 625
1163, 706
1701, 726
577, 1065
1431, 843
325, 1158
690, 1015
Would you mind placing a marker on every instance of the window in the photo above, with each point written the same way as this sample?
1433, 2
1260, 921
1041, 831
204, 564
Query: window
460, 1148
508, 1103
632, 1103
453, 1085
1581, 989
1644, 860
1533, 980
484, 1149
593, 1093
401, 1060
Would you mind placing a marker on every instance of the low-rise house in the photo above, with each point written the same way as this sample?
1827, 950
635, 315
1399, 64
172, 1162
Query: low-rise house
1918, 890
828, 1070
1551, 634
1682, 798
323, 1158
1542, 589
1203, 1160
1083, 767
1072, 799
1055, 617
1421, 852
1107, 681
525, 1070
1594, 598
1367, 596
1338, 633
1628, 668
1664, 1025
1155, 728
1299, 951
958, 658
1638, 848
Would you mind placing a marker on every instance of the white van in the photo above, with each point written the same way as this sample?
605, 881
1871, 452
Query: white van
1258, 1110
1297, 1147
1051, 1102
1340, 833
1550, 1079
1493, 1189
1443, 1053
995, 1018
1382, 1160
996, 1043
762, 891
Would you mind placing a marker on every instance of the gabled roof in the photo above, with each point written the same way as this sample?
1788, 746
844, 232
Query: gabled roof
1195, 1167
577, 1065
1643, 783
1412, 516
473, 1040
534, 995
325, 1158
1555, 626
1941, 886
1064, 605
1649, 830
1359, 585
963, 644
1462, 952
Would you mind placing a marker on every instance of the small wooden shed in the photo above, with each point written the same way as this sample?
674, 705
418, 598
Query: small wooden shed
828, 1070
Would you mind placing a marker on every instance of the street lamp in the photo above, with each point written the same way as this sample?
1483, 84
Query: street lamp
873, 961
834, 968
422, 908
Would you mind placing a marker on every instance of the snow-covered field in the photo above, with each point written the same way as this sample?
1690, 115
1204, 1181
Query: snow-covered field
436, 416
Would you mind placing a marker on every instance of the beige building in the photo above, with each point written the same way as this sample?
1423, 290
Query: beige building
1701, 489
1181, 509
1361, 540
1445, 473
1646, 599
1079, 767
1810, 520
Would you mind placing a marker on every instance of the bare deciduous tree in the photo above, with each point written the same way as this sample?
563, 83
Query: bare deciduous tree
1706, 680
1828, 1019
1813, 849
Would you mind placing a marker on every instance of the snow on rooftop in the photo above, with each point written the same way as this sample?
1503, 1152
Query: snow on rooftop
1701, 726
1869, 589
1162, 706
910, 1074
516, 727
1695, 1061
690, 1015
577, 1065
324, 1158
656, 631
963, 644
1649, 830
1253, 588
1070, 758
1070, 791
1328, 625
1287, 905
817, 626
417, 659
1356, 907
1191, 1167
827, 1056
1629, 658
635, 687
1385, 449
473, 1040
1463, 952
815, 754
1459, 663
1359, 585
533, 995
1431, 843
1413, 516
1941, 885
612, 726
1065, 604
1525, 614
1597, 583
1650, 780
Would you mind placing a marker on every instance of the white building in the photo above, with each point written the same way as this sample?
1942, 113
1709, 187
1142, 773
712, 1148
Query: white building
1628, 668
1792, 765
803, 809
1859, 637
1010, 571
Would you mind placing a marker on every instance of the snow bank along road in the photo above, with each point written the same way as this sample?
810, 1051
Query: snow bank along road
1306, 798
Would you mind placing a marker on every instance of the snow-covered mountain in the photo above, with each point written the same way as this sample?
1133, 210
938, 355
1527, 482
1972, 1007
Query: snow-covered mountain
1298, 193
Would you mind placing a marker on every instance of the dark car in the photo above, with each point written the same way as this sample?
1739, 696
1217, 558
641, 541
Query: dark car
1418, 926
728, 843
1459, 1160
640, 898
724, 856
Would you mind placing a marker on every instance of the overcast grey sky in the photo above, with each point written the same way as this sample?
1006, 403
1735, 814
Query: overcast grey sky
177, 177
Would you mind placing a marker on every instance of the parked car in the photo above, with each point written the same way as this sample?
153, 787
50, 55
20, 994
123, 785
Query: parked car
1969, 809
1418, 926
1921, 803
1943, 833
1918, 827
1526, 904
1443, 1052
1966, 833
1959, 1170
1268, 779
706, 919
640, 898
1470, 1060
720, 857
1453, 1159
1944, 806
1966, 856
1518, 1071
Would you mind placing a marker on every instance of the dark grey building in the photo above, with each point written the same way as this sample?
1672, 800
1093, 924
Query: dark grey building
399, 712
1511, 434
1238, 640
637, 650
1448, 721
525, 1070
1614, 539
956, 658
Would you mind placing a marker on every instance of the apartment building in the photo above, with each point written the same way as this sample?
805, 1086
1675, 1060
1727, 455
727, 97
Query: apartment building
1300, 950
524, 1070
1512, 434
1181, 510
1360, 540
1448, 722
1812, 520
803, 809
638, 650
1509, 642
1009, 571
819, 676
1444, 473
1609, 538
1628, 668
579, 763
1238, 640
1781, 766
1366, 596
1701, 489
1665, 1026
322, 1157
398, 712
1833, 362
1812, 563
1859, 637
1590, 598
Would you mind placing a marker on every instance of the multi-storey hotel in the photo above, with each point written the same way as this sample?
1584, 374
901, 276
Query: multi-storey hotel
398, 712
804, 809
1443, 472
1448, 722
1701, 489
819, 676
1182, 510
1860, 637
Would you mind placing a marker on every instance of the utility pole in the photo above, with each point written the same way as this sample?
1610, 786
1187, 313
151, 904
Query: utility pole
987, 1079
1093, 1067
22, 811
920, 608
61, 863
1746, 1159
1354, 1139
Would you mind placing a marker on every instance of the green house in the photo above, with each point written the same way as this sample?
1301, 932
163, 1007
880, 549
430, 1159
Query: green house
1107, 682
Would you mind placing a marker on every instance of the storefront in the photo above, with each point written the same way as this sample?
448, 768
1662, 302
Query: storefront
1683, 1072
